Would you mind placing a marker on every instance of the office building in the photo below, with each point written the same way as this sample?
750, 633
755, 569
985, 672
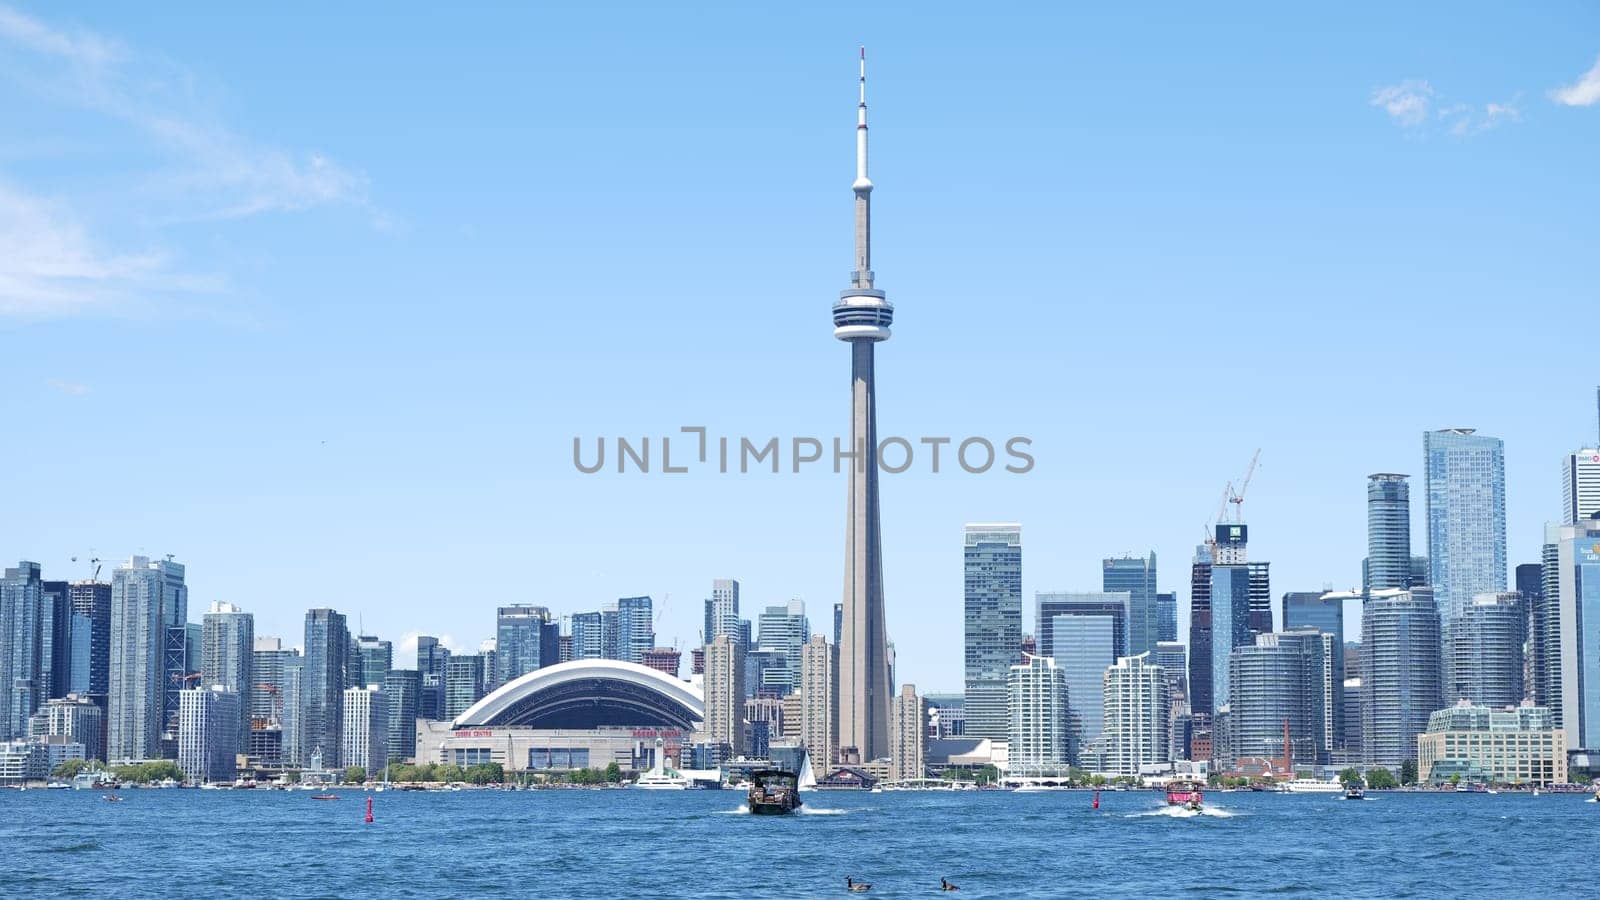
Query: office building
725, 694
1230, 620
371, 660
1480, 745
208, 733
526, 638
91, 635
403, 688
135, 678
947, 715
365, 730
1173, 658
1137, 713
1388, 532
589, 637
1039, 738
1136, 577
1284, 678
636, 629
1575, 583
1401, 683
1084, 633
819, 703
463, 683
1466, 485
1529, 583
1200, 687
992, 619
1324, 611
784, 630
1486, 645
75, 717
431, 659
766, 673
907, 737
227, 655
722, 609
55, 640
1167, 617
327, 652
1112, 606
1350, 737
1580, 486
21, 666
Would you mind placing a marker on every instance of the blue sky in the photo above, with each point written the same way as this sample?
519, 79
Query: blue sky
316, 301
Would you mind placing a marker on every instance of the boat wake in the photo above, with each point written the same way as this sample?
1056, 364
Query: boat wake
814, 811
1179, 812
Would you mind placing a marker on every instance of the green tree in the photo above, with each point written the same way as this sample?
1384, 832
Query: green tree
1408, 772
1097, 780
613, 772
1381, 779
451, 773
1455, 779
292, 776
71, 767
1350, 776
486, 773
355, 775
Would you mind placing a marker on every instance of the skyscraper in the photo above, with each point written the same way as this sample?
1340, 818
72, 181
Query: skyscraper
1230, 620
402, 687
463, 682
1542, 645
91, 614
1200, 687
992, 559
1084, 633
1400, 677
55, 640
1486, 645
75, 717
722, 609
372, 660
1112, 606
208, 733
724, 693
862, 318
431, 658
1388, 532
135, 682
1576, 628
1167, 617
636, 630
1324, 611
228, 656
365, 729
21, 666
1136, 576
526, 639
906, 747
588, 635
785, 630
1284, 677
1137, 707
1466, 483
1580, 486
1039, 737
322, 702
819, 701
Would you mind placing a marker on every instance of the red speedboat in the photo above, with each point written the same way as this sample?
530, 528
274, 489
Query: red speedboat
1187, 794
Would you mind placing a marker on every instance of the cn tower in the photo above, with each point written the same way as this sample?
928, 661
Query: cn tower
861, 318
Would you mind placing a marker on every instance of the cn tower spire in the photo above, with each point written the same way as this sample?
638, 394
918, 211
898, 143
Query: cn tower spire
863, 188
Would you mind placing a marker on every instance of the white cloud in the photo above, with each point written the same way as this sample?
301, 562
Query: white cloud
1406, 103
49, 267
70, 388
1466, 121
1583, 92
406, 647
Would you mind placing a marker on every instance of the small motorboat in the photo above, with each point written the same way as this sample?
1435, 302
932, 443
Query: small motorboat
112, 798
324, 796
1187, 794
1354, 791
773, 792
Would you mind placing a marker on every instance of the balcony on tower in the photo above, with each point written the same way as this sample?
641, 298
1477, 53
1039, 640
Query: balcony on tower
862, 314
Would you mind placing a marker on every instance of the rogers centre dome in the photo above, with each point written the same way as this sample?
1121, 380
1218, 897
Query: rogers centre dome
589, 694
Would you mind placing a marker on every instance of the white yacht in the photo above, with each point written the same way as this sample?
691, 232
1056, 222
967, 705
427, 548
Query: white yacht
662, 778
1312, 786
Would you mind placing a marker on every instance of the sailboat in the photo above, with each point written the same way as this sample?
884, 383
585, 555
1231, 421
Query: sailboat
384, 785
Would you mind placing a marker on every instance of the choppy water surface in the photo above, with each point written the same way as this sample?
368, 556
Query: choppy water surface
697, 844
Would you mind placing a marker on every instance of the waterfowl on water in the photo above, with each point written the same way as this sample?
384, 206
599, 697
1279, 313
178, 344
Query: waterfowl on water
945, 885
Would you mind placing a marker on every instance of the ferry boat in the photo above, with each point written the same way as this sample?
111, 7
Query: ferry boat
773, 792
1311, 786
1187, 794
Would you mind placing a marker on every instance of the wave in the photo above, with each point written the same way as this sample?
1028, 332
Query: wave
1179, 812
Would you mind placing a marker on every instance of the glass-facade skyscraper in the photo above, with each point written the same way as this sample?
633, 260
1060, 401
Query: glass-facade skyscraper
21, 665
784, 629
1486, 649
1200, 693
1230, 622
526, 638
227, 656
322, 705
1166, 617
1135, 576
1466, 485
1400, 678
992, 616
136, 679
636, 629
1388, 532
1577, 632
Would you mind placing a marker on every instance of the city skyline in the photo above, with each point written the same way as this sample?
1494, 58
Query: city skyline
277, 353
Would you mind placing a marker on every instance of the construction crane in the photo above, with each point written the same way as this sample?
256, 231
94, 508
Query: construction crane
1238, 499
1210, 537
93, 562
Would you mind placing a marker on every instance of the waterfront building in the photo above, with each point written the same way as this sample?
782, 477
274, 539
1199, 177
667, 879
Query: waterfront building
21, 666
463, 683
365, 730
208, 733
1137, 711
663, 659
1039, 738
1324, 611
819, 701
1167, 616
327, 652
636, 629
371, 660
526, 638
861, 318
1230, 620
1519, 745
1136, 577
1580, 486
1112, 606
992, 620
227, 655
1284, 678
75, 717
402, 687
1575, 583
431, 659
1400, 678
908, 736
722, 609
784, 630
1388, 562
725, 693
1081, 635
1200, 686
91, 638
1486, 645
1466, 486
294, 711
135, 678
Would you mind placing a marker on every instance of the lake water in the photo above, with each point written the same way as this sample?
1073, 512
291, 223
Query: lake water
698, 844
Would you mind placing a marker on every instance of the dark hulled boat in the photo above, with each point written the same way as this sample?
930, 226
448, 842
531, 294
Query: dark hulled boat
774, 792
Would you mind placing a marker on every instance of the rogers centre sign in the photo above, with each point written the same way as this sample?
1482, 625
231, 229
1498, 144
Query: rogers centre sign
477, 732
657, 733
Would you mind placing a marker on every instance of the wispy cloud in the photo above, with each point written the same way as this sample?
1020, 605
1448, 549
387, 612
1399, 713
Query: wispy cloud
50, 262
1405, 103
1583, 92
1415, 107
70, 388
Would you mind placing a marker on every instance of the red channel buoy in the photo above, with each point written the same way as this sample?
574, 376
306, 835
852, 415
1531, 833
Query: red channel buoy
369, 810
1096, 804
